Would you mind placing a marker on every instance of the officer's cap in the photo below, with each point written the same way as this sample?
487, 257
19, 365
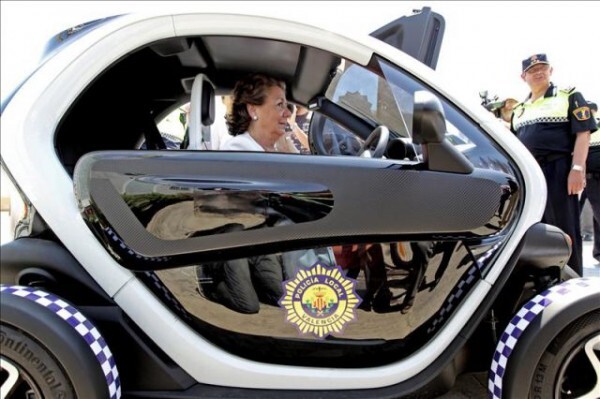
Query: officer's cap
593, 106
534, 60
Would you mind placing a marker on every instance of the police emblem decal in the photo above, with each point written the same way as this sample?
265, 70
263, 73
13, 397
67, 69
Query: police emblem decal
582, 113
320, 300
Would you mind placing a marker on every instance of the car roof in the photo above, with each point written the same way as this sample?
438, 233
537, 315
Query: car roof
145, 64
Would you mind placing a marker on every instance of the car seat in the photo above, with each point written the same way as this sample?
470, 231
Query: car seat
202, 113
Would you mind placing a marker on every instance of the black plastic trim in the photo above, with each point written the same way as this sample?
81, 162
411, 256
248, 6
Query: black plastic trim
545, 246
21, 255
142, 364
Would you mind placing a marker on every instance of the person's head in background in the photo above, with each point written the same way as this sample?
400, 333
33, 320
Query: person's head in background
301, 110
536, 72
259, 107
228, 103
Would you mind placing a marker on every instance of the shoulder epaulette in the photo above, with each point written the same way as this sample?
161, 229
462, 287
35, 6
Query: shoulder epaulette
568, 90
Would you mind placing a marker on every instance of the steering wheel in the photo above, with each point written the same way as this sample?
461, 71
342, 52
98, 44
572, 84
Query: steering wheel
374, 145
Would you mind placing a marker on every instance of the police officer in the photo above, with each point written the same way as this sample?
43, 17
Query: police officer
555, 126
593, 183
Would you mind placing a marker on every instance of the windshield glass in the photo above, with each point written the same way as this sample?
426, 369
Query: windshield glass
383, 94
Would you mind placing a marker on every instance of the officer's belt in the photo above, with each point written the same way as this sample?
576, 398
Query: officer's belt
544, 159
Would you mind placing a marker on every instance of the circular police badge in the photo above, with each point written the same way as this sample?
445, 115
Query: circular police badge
320, 300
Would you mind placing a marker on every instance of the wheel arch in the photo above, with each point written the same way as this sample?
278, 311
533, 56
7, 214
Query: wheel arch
69, 336
531, 331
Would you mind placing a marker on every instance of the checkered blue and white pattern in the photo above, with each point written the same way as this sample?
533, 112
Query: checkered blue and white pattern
81, 324
548, 119
517, 326
166, 295
113, 235
454, 298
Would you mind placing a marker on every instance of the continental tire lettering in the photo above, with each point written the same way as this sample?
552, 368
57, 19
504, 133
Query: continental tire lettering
21, 348
5, 341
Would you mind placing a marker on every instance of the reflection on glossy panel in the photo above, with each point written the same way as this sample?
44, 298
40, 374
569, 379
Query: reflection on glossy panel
175, 209
507, 206
405, 292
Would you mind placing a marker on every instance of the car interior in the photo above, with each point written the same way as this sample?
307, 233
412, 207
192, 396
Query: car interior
122, 107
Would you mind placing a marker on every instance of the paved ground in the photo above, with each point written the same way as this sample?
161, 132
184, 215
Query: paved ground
591, 267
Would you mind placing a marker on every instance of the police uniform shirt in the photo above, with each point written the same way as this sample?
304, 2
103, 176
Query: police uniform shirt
593, 159
550, 124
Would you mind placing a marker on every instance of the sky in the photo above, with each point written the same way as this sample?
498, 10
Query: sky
483, 46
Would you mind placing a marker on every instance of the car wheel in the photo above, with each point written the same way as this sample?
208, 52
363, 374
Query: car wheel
570, 366
29, 370
49, 349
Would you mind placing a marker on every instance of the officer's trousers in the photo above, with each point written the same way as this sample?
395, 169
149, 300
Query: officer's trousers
593, 192
562, 209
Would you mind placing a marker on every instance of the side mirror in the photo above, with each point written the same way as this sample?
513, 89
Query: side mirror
429, 130
429, 121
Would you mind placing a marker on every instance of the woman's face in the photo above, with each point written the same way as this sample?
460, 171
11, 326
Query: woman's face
272, 115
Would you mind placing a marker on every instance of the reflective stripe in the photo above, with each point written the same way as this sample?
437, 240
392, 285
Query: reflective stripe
542, 120
554, 109
595, 139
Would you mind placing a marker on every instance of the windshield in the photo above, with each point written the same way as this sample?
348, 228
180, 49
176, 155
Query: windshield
383, 94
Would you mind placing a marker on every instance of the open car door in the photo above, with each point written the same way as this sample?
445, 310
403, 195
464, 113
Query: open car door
419, 35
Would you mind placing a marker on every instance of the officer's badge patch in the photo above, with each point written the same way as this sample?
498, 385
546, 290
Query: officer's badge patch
320, 300
582, 113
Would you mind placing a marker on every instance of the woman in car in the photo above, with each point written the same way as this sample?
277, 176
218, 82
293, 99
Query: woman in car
258, 120
259, 117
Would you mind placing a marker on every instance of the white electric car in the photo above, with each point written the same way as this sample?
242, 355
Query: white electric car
406, 261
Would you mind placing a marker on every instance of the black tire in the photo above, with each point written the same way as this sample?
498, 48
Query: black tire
50, 356
564, 366
36, 371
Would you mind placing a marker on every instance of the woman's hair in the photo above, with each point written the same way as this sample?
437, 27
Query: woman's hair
251, 89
